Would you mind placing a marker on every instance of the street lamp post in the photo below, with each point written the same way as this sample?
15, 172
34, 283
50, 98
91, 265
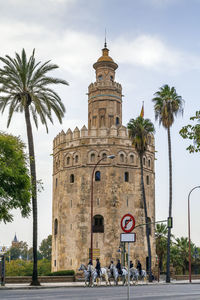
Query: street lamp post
190, 279
91, 244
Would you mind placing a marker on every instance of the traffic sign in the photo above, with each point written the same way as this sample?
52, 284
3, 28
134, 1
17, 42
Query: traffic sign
127, 223
128, 237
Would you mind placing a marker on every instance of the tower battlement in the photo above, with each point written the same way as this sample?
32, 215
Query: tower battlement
107, 84
77, 137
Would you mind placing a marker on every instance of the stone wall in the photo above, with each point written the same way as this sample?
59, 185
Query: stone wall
75, 153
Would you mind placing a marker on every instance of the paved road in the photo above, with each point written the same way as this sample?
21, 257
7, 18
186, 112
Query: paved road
149, 292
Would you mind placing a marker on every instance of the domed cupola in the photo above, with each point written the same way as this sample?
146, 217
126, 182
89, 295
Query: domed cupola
104, 95
105, 66
105, 60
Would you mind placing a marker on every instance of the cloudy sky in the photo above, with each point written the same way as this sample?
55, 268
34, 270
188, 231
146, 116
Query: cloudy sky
154, 42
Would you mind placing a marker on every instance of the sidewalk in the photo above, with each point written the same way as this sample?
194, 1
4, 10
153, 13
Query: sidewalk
82, 284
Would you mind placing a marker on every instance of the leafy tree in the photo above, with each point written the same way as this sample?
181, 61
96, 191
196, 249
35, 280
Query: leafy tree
192, 133
20, 250
30, 254
44, 267
21, 267
18, 267
161, 243
139, 130
179, 254
15, 187
167, 105
25, 88
45, 247
183, 246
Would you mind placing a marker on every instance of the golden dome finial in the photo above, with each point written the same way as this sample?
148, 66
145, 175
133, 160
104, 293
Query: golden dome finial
105, 58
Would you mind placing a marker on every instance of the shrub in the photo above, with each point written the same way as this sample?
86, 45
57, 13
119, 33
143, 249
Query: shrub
21, 267
62, 273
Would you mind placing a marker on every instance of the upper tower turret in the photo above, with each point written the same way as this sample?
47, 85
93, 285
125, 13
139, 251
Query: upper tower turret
104, 95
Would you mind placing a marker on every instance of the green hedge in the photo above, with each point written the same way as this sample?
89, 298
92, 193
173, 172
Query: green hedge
21, 267
62, 273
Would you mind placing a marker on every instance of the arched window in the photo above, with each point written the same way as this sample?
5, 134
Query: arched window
111, 77
92, 157
98, 224
104, 156
147, 180
56, 182
149, 163
97, 176
117, 121
121, 157
71, 178
149, 225
131, 158
126, 176
56, 227
68, 160
76, 159
100, 77
102, 121
144, 161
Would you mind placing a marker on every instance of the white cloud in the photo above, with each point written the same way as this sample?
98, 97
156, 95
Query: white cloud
37, 6
75, 51
151, 52
72, 50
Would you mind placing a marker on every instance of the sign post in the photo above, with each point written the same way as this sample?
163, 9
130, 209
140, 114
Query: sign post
127, 225
128, 270
3, 250
2, 270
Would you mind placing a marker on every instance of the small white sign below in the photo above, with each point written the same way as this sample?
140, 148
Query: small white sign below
128, 237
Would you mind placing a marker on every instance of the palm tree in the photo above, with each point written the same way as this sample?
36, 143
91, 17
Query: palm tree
24, 88
167, 105
183, 246
139, 130
161, 243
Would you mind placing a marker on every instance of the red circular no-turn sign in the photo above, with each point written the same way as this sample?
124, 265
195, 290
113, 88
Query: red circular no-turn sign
127, 223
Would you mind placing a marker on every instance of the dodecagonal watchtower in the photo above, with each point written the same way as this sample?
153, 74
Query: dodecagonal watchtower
116, 186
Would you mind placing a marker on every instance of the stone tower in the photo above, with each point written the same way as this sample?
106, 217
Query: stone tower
116, 182
15, 241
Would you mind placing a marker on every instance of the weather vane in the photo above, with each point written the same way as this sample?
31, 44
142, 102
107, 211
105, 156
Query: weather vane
105, 44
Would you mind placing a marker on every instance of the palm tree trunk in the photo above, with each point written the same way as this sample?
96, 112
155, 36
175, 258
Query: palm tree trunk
146, 218
161, 263
170, 205
34, 193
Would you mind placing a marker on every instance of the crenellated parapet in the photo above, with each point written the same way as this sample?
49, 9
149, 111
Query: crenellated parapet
77, 137
105, 84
